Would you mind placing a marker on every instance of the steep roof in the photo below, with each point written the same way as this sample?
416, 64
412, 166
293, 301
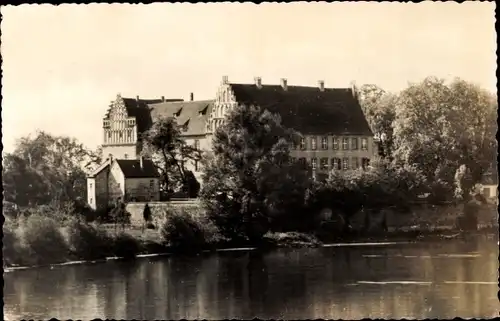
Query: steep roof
308, 109
139, 108
131, 168
191, 114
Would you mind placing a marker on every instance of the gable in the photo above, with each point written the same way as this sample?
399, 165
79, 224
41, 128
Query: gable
131, 168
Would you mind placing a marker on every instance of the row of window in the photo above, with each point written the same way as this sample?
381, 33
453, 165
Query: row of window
347, 143
335, 163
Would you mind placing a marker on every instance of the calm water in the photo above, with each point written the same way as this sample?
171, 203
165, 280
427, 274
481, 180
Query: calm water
424, 280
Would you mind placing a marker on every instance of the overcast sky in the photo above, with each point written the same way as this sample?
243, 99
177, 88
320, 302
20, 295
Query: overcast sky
63, 65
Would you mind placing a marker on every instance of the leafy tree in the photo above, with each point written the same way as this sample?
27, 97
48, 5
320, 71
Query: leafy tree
440, 127
119, 215
46, 168
379, 109
250, 178
169, 151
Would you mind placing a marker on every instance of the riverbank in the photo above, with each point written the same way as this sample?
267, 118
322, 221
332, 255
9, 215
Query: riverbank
149, 248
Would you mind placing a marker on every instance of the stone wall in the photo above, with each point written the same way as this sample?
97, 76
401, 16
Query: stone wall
160, 210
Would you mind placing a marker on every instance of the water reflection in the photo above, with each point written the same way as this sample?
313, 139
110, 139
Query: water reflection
348, 283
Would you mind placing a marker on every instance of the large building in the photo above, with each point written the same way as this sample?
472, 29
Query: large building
336, 133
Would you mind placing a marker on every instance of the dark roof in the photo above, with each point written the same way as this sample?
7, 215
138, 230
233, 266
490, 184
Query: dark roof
139, 108
131, 168
191, 114
308, 109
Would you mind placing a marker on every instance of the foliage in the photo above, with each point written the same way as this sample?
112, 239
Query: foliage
440, 127
292, 239
88, 241
119, 215
187, 231
163, 142
42, 240
146, 213
125, 245
46, 168
250, 178
378, 107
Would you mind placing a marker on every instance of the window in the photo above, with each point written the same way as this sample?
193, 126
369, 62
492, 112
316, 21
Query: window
314, 163
292, 160
109, 134
365, 162
345, 143
129, 134
91, 201
302, 162
335, 143
324, 142
354, 143
313, 143
197, 144
125, 156
336, 163
90, 186
121, 135
345, 163
323, 164
302, 143
364, 144
355, 163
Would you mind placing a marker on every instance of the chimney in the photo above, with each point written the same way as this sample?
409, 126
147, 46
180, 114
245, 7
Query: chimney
225, 80
137, 97
191, 96
321, 85
141, 162
258, 82
163, 98
283, 84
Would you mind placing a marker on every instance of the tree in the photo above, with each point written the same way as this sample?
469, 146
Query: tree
46, 168
439, 127
169, 151
250, 178
379, 109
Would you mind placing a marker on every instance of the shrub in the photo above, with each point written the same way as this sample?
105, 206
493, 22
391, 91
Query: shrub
13, 253
43, 240
87, 241
126, 246
187, 231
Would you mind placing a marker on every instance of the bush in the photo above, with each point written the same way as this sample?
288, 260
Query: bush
43, 240
187, 231
88, 241
13, 253
126, 246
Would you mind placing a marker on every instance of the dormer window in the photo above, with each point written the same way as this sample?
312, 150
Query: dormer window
178, 112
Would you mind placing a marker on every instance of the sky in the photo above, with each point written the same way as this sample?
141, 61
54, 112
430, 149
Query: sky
62, 65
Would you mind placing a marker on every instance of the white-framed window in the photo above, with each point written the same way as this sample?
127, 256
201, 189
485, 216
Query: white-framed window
323, 163
324, 142
345, 143
313, 143
365, 162
345, 163
302, 143
354, 143
314, 163
91, 201
303, 162
336, 163
335, 143
355, 163
364, 143
125, 156
90, 186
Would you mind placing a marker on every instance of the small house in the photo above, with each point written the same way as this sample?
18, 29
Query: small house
123, 180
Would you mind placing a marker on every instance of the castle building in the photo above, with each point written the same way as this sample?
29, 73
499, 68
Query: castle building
335, 132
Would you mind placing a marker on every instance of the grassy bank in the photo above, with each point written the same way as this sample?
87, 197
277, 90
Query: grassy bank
40, 240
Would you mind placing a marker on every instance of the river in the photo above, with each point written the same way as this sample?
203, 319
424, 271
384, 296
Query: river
428, 279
